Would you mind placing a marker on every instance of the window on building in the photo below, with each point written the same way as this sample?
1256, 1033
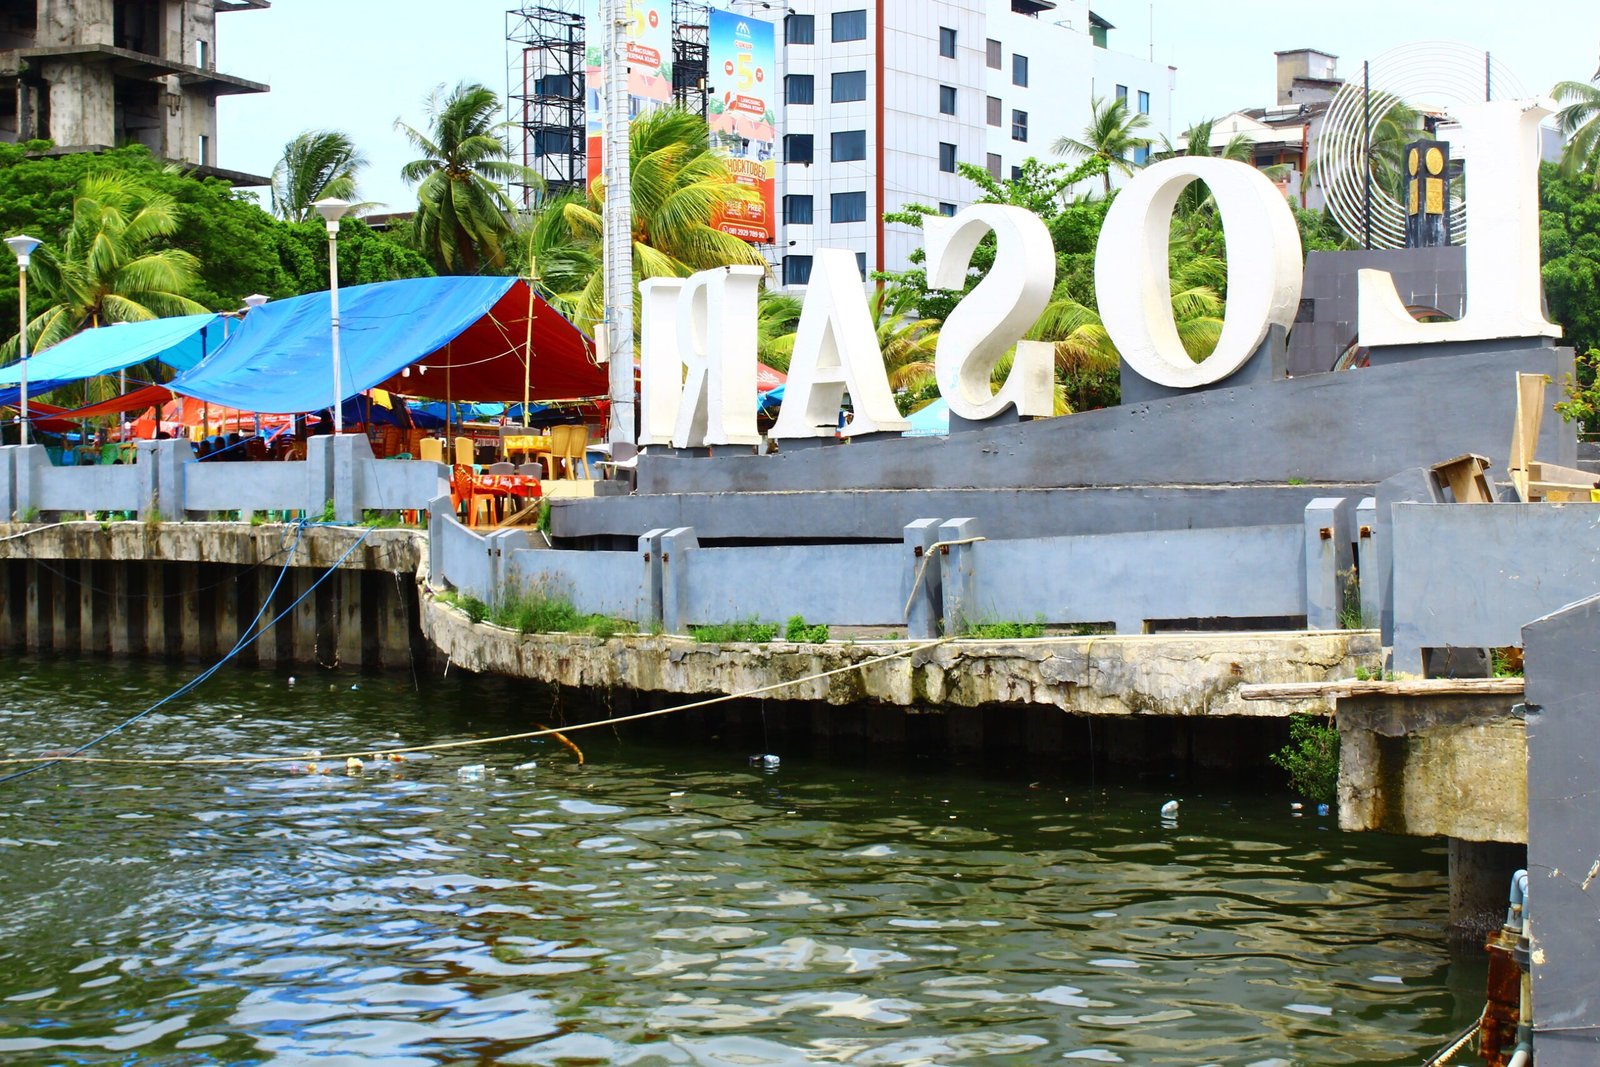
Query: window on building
947, 42
849, 85
1019, 125
796, 270
1019, 70
849, 145
994, 166
203, 151
848, 207
797, 210
1122, 93
1144, 102
992, 53
861, 264
800, 29
1016, 174
947, 157
994, 111
799, 89
947, 99
946, 208
797, 148
1141, 155
850, 25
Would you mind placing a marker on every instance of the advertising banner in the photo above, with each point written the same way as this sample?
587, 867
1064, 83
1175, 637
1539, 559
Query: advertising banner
649, 28
743, 62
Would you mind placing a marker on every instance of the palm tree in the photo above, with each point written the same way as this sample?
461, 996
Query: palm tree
108, 269
1112, 134
1580, 124
315, 165
679, 188
462, 207
777, 317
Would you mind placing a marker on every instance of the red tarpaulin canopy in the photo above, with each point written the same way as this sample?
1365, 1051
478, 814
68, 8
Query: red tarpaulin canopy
137, 400
485, 361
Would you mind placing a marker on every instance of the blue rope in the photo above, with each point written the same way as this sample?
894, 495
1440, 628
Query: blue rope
245, 641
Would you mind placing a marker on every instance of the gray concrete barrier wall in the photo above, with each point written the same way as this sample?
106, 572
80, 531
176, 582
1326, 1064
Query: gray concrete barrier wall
1470, 575
841, 585
116, 488
1131, 578
399, 485
597, 583
209, 487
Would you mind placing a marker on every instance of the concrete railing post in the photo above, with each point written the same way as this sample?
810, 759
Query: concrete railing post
319, 476
8, 484
650, 589
499, 546
958, 576
30, 464
676, 546
923, 585
1414, 485
1367, 569
169, 461
348, 451
1329, 562
439, 510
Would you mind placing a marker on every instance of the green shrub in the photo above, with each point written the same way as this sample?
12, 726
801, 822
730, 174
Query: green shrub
798, 632
745, 631
380, 520
476, 609
1005, 631
543, 521
327, 512
29, 514
1312, 758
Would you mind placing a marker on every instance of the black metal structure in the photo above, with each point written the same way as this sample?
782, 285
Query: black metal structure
545, 93
691, 43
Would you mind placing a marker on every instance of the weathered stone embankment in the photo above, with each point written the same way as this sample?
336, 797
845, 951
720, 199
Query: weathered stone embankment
1163, 675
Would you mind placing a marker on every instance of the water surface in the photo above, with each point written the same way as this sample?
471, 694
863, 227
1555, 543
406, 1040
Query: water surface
663, 905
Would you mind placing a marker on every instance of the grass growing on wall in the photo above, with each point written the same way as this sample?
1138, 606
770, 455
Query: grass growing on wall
798, 631
538, 611
743, 631
1005, 630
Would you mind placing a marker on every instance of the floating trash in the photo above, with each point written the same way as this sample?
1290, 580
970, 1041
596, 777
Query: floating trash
353, 765
1322, 809
1296, 806
1169, 810
767, 762
530, 765
473, 773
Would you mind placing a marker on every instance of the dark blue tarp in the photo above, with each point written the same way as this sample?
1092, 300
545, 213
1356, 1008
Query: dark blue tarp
178, 342
280, 361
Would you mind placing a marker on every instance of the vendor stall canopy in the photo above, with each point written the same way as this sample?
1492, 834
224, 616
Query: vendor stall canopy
179, 343
440, 338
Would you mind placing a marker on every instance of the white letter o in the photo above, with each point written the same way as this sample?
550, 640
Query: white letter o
1133, 286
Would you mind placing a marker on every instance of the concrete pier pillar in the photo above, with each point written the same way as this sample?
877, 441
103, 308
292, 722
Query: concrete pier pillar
13, 606
304, 616
39, 605
1480, 874
347, 616
267, 648
117, 599
94, 631
62, 635
224, 582
155, 610
196, 623
392, 614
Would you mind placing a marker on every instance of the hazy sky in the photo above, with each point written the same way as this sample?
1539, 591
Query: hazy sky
357, 65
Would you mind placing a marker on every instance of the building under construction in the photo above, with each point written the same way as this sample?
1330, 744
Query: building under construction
547, 64
92, 74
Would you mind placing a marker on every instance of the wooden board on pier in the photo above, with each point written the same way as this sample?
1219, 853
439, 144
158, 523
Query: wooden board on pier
1342, 688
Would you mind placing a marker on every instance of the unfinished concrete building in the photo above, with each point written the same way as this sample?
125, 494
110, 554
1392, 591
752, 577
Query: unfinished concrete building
95, 74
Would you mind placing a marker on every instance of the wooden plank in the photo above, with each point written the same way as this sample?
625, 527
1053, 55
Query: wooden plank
1465, 479
1525, 432
1341, 688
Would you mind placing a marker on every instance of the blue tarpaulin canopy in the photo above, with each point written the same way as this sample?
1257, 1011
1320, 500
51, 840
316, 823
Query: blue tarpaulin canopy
179, 342
471, 331
933, 420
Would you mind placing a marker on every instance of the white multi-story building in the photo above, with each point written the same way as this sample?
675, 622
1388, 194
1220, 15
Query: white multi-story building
882, 98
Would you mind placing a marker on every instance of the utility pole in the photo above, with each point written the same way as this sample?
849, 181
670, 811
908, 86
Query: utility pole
617, 259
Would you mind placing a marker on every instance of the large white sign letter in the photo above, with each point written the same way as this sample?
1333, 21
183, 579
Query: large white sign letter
836, 349
998, 311
660, 364
1504, 293
1134, 287
717, 342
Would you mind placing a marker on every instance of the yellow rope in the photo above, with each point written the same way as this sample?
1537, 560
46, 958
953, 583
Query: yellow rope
922, 568
235, 761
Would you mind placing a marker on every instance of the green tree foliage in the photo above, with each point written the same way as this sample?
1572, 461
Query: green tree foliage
462, 207
315, 165
111, 267
1113, 134
1580, 124
239, 248
1569, 239
679, 188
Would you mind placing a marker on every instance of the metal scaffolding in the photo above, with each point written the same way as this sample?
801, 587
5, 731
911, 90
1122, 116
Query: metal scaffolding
545, 92
691, 41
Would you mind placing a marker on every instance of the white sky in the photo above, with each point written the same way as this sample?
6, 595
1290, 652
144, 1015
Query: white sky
357, 65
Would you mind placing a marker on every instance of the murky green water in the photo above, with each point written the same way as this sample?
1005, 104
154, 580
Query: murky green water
664, 905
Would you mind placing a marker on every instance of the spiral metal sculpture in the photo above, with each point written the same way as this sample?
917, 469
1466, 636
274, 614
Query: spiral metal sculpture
1425, 74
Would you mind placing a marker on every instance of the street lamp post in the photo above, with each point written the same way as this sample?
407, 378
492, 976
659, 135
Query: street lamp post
332, 210
23, 247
